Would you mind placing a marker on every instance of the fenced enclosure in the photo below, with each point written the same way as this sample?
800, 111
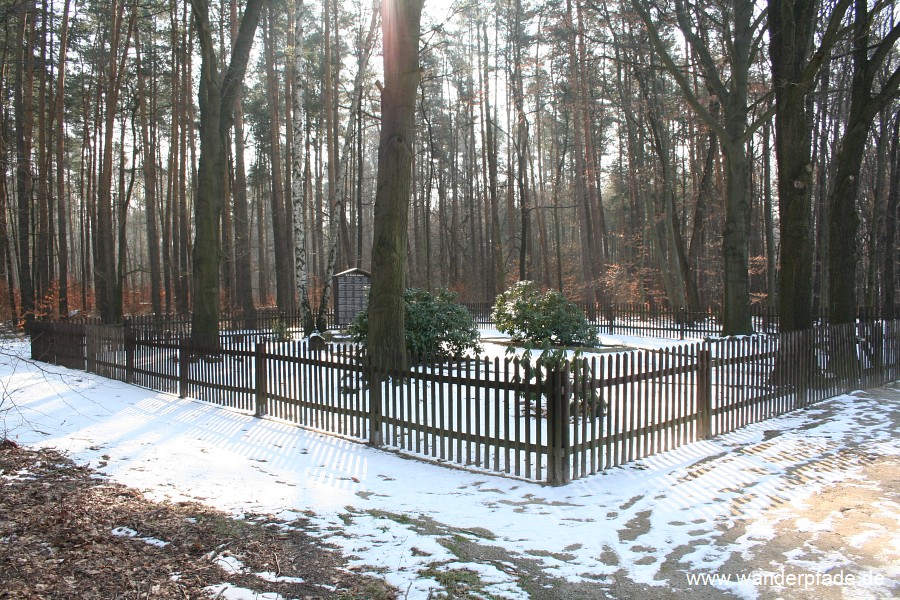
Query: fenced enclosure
548, 421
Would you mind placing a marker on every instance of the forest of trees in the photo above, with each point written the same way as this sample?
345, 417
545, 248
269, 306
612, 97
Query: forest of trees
688, 154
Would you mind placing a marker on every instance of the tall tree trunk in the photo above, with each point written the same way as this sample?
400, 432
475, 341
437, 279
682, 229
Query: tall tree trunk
262, 245
299, 180
490, 150
582, 198
521, 142
792, 27
284, 290
865, 104
124, 198
889, 258
400, 30
771, 252
243, 282
108, 292
62, 204
6, 254
217, 99
24, 121
42, 241
149, 171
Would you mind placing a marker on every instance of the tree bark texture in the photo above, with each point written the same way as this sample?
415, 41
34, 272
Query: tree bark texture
216, 99
400, 30
843, 215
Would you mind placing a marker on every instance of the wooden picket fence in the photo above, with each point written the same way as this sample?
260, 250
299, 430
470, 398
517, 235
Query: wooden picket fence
656, 320
543, 421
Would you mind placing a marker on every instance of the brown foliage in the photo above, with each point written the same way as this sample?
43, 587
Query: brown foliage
56, 541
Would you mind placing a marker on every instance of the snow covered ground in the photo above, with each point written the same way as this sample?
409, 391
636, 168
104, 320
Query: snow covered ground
806, 505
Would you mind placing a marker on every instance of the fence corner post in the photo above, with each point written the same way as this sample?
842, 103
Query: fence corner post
183, 367
704, 393
130, 343
262, 383
558, 450
376, 416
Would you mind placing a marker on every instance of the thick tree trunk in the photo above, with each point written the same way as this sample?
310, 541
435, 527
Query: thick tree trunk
735, 239
400, 29
216, 98
243, 283
792, 25
843, 226
843, 217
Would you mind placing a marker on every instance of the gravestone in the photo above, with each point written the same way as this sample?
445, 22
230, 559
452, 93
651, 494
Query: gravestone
351, 295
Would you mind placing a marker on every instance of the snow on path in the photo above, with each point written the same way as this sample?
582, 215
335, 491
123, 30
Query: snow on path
397, 517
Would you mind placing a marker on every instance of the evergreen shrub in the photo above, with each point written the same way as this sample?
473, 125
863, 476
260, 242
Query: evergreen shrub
540, 319
436, 326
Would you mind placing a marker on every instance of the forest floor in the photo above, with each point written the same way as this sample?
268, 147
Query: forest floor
66, 532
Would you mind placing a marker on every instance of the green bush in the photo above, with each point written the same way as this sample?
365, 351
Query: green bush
435, 325
538, 318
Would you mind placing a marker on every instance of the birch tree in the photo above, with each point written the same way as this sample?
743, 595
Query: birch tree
316, 321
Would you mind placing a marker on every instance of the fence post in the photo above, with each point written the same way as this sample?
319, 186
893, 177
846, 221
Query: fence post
129, 339
90, 359
878, 352
376, 416
558, 450
262, 381
704, 393
183, 366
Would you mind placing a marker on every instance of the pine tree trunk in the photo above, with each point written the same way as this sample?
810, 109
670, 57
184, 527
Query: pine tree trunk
889, 258
149, 171
62, 204
24, 120
284, 289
